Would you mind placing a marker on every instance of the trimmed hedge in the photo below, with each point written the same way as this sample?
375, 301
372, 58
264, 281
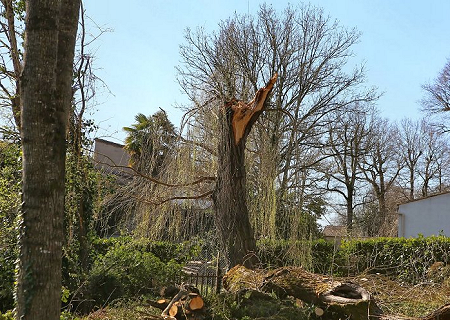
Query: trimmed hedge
315, 255
406, 259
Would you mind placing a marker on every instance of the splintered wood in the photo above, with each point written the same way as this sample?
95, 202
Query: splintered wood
244, 112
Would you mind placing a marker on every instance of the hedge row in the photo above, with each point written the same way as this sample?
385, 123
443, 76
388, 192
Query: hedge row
124, 267
407, 260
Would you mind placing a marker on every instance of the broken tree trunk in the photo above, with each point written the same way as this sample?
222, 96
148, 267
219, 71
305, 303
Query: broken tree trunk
334, 298
229, 197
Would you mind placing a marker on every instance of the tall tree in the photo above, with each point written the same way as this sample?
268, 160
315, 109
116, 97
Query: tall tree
347, 143
232, 217
149, 142
437, 94
11, 22
381, 167
434, 149
46, 83
411, 150
309, 52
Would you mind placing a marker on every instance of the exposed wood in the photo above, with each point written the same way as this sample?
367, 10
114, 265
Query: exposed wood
194, 302
244, 113
187, 304
160, 304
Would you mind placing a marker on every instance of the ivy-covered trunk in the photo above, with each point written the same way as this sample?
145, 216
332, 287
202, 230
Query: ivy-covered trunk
46, 82
232, 216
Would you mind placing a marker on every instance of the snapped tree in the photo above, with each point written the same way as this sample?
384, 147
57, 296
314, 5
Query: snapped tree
232, 217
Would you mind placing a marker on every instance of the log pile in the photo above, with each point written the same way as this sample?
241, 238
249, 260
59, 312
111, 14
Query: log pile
187, 304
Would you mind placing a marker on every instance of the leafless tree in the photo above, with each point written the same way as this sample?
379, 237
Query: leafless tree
347, 144
411, 150
437, 93
430, 167
11, 24
381, 168
309, 52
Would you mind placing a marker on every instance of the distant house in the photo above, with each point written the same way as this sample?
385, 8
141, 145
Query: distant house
334, 234
112, 158
426, 216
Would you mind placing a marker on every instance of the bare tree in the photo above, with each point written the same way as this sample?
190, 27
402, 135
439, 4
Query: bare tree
46, 84
430, 165
309, 51
347, 145
411, 150
437, 93
381, 167
11, 23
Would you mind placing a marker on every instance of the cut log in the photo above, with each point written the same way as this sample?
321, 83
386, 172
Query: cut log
194, 302
337, 298
160, 304
187, 304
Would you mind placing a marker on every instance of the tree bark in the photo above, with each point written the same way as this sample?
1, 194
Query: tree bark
51, 27
335, 298
232, 216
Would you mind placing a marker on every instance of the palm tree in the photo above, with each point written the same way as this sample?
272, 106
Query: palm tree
149, 141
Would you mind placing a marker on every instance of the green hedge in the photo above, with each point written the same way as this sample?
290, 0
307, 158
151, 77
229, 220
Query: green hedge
315, 255
407, 259
125, 268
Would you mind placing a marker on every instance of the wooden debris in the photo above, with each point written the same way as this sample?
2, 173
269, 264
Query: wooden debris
187, 304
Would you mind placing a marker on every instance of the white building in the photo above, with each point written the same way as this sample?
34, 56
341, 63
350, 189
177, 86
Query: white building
427, 216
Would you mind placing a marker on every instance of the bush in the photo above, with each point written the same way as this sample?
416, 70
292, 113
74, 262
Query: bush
164, 250
129, 269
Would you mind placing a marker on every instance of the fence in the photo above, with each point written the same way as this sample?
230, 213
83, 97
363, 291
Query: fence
204, 276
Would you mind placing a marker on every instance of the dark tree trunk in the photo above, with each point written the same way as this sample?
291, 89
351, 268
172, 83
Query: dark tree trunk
46, 80
232, 216
349, 222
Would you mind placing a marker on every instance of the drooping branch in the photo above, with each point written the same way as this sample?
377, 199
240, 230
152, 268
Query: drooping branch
127, 169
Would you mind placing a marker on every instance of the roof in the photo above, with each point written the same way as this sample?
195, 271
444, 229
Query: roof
109, 142
335, 231
425, 198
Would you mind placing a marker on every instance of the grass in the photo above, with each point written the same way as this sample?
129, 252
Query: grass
402, 299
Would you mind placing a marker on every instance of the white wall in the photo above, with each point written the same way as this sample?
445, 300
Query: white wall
427, 216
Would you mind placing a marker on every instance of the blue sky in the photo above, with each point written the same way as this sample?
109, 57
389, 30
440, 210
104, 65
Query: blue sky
404, 44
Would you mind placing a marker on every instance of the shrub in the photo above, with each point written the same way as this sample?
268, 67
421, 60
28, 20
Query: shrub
126, 270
